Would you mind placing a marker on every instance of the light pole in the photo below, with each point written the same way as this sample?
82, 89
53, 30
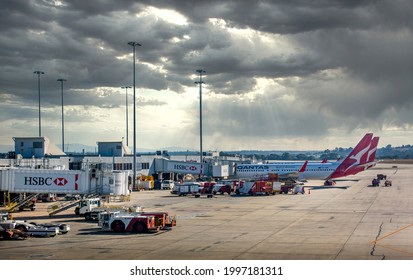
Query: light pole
63, 122
134, 44
200, 71
38, 85
127, 114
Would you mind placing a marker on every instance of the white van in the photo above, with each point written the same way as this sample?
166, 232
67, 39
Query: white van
167, 184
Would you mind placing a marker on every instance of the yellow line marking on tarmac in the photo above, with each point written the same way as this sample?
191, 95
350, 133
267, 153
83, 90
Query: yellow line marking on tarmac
392, 233
397, 250
375, 242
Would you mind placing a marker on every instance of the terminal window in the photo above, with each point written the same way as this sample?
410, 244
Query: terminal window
37, 145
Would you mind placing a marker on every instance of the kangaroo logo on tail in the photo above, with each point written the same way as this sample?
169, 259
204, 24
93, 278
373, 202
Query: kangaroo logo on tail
358, 156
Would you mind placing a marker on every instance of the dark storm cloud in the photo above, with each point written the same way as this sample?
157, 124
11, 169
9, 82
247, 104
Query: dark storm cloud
350, 60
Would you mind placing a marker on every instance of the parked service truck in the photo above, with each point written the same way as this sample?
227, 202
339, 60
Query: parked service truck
120, 222
258, 188
140, 221
86, 205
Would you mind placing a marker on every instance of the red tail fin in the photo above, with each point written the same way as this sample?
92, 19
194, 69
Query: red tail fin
324, 161
371, 155
302, 169
355, 157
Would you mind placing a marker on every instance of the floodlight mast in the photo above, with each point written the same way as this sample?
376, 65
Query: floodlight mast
134, 44
200, 71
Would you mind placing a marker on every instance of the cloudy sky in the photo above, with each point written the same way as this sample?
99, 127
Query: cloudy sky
279, 74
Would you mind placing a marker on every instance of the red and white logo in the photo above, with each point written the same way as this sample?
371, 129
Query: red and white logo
192, 168
60, 181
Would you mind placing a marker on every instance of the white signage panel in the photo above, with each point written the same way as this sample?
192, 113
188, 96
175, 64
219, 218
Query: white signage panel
183, 167
48, 181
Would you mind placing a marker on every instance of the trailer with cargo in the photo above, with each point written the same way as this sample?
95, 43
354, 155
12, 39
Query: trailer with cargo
33, 230
63, 227
6, 234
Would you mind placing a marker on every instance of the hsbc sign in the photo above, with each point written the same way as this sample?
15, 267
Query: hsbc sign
183, 167
53, 181
41, 181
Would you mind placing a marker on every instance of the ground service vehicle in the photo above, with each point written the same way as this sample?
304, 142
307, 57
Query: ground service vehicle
86, 205
387, 183
257, 188
31, 204
63, 228
375, 182
381, 177
167, 184
6, 234
207, 187
186, 188
222, 188
30, 228
162, 220
298, 188
131, 222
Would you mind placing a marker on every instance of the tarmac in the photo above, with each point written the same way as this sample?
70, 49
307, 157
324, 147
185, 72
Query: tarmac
349, 221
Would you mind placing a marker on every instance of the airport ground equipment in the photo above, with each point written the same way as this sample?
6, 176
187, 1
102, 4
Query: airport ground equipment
207, 187
298, 188
6, 234
375, 182
87, 205
61, 206
222, 188
63, 227
268, 187
329, 183
387, 183
126, 222
258, 188
34, 230
226, 186
22, 202
140, 221
381, 177
89, 208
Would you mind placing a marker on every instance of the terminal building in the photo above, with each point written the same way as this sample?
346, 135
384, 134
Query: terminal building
41, 153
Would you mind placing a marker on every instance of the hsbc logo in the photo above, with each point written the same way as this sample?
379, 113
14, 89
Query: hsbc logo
185, 167
48, 181
60, 181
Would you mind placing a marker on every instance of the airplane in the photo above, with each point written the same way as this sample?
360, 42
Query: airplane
365, 161
359, 159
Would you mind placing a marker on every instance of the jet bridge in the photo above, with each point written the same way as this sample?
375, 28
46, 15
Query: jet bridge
19, 180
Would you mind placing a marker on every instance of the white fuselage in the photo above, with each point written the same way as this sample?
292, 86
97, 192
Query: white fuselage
314, 170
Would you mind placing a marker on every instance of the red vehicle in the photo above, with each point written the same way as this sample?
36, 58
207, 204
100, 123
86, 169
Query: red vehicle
207, 187
226, 186
255, 188
138, 222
